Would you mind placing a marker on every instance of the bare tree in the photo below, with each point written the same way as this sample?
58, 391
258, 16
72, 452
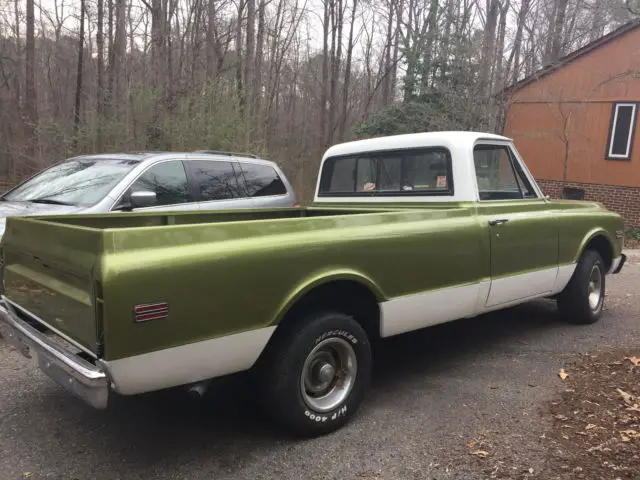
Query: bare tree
30, 85
284, 78
76, 122
347, 75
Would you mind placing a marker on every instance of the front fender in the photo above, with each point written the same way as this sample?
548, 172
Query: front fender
324, 277
591, 234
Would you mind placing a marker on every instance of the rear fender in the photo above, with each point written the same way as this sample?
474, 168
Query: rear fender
322, 278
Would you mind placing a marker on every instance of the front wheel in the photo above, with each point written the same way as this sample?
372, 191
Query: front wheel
582, 300
317, 372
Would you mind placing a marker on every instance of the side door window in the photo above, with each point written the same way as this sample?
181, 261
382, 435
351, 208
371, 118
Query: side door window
499, 177
262, 180
168, 180
214, 180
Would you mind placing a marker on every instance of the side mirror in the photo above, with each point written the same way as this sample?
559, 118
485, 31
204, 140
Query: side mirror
142, 199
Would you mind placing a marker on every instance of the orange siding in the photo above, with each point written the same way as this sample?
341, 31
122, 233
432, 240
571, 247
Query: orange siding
610, 73
572, 106
540, 135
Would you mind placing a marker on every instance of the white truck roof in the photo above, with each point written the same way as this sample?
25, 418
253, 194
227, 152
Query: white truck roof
412, 140
460, 144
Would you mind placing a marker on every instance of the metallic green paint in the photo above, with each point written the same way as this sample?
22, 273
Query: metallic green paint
527, 242
323, 277
227, 272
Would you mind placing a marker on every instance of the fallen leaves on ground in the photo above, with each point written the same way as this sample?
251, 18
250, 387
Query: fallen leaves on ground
480, 453
596, 432
628, 398
562, 374
635, 360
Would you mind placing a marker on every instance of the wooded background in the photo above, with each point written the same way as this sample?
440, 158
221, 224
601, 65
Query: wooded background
283, 79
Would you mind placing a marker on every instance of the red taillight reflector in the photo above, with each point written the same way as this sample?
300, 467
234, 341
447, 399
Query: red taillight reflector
150, 311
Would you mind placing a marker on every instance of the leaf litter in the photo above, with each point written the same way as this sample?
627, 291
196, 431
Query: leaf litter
596, 420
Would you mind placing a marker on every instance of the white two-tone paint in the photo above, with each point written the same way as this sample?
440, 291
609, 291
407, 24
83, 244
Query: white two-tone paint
220, 356
189, 363
412, 312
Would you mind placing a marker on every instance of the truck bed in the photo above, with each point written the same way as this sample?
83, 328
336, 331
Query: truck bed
156, 219
78, 272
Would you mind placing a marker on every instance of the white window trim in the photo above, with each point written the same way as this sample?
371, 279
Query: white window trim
612, 134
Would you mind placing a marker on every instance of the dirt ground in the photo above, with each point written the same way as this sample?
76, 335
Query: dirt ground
596, 431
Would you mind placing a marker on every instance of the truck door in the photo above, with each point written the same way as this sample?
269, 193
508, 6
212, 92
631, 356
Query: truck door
521, 225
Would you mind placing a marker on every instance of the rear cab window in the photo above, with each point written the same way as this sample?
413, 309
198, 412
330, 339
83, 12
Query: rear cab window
425, 171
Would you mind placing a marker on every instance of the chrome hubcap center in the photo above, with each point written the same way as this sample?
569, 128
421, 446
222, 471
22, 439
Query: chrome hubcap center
326, 373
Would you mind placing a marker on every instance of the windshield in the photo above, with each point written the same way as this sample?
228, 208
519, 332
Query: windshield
82, 181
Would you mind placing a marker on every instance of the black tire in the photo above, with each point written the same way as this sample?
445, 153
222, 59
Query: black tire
281, 372
573, 302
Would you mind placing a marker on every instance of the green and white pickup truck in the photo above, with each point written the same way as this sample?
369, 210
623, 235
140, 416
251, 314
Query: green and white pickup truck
404, 232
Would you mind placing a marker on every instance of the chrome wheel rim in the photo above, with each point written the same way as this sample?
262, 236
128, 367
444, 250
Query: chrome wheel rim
328, 374
595, 288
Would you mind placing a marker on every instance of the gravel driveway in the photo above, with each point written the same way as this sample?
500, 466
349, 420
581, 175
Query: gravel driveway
438, 395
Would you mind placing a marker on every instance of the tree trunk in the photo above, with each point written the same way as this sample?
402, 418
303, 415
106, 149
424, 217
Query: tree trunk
211, 50
347, 76
239, 83
336, 58
100, 73
428, 49
325, 75
410, 75
18, 73
396, 51
111, 53
257, 86
446, 41
76, 121
556, 46
499, 52
548, 48
249, 55
169, 76
488, 45
31, 109
119, 58
388, 45
513, 64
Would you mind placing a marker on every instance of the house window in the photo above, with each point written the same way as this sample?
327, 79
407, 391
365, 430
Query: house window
623, 124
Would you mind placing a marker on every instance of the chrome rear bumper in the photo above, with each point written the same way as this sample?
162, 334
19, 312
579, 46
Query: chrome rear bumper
80, 377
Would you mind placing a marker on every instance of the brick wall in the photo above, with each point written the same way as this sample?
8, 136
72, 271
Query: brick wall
623, 200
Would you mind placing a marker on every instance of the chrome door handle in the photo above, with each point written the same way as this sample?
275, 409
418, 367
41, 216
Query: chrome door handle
498, 221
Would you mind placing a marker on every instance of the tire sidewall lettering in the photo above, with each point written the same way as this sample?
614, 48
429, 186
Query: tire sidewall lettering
331, 416
351, 338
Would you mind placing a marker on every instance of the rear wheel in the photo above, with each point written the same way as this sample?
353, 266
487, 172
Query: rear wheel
316, 373
582, 300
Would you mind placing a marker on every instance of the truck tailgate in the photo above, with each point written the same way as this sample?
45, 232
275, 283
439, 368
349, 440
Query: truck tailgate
49, 272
